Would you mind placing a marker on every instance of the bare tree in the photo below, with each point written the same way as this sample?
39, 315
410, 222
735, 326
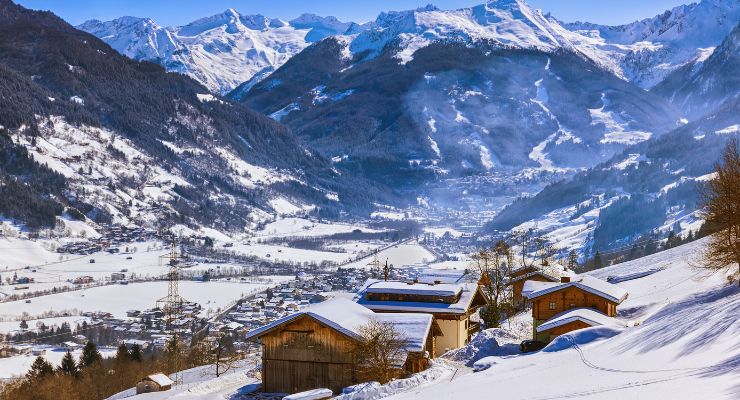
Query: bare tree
223, 354
494, 266
381, 352
524, 239
721, 201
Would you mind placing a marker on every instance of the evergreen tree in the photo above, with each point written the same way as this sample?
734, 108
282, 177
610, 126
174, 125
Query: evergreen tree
24, 325
598, 263
40, 369
122, 353
136, 353
68, 365
572, 260
90, 355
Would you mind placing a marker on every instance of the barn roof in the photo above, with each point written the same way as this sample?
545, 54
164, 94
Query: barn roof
348, 317
160, 379
470, 297
585, 315
604, 289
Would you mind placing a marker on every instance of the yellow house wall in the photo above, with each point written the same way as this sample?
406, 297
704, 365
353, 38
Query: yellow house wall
454, 335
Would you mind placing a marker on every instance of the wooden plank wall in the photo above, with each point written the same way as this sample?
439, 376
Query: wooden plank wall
305, 355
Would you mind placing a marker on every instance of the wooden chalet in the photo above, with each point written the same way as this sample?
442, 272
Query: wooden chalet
313, 348
530, 273
555, 305
452, 306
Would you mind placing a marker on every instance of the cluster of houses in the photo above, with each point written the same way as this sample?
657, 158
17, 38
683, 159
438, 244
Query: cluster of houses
435, 310
311, 348
114, 236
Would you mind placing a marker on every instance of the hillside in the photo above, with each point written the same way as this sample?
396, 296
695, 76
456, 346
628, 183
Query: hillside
91, 135
681, 339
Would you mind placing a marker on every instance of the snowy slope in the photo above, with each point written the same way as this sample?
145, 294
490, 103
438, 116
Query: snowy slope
220, 51
681, 343
650, 49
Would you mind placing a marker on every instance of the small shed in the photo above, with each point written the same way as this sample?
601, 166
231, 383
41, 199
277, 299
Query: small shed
154, 383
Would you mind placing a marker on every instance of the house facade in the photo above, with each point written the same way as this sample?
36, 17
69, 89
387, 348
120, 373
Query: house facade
454, 306
313, 348
559, 301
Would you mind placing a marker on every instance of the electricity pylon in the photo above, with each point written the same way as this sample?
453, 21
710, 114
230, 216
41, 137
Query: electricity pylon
172, 304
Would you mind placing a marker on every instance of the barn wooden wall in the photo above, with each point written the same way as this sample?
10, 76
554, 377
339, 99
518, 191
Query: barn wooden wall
305, 355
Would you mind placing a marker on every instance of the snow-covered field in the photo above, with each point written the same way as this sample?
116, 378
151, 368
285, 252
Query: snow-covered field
117, 299
399, 255
18, 365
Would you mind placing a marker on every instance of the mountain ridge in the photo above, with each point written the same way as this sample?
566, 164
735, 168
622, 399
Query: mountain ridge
219, 51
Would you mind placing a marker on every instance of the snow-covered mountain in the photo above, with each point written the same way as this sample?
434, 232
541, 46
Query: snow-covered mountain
701, 85
90, 135
650, 49
428, 94
220, 51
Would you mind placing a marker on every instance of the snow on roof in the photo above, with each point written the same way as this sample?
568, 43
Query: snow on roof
553, 271
160, 379
534, 289
314, 394
425, 289
443, 275
348, 317
586, 315
462, 306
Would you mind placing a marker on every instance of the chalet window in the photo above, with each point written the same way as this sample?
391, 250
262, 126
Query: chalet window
552, 305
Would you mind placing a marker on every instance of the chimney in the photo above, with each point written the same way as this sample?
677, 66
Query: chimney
564, 279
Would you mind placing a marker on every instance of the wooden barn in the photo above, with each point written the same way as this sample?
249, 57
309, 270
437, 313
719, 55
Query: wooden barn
552, 301
313, 348
154, 383
452, 305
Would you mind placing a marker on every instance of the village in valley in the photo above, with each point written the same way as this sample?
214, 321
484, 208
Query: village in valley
303, 328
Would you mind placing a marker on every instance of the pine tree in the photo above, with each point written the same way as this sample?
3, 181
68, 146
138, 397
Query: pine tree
68, 365
136, 353
122, 353
598, 263
24, 325
40, 369
90, 355
572, 260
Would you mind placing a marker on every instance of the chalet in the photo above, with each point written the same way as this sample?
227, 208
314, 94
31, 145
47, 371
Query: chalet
560, 307
531, 273
452, 305
154, 383
571, 320
312, 349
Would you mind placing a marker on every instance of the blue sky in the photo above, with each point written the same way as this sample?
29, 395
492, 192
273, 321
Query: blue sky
179, 12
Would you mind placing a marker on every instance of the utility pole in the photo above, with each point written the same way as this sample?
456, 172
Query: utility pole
375, 265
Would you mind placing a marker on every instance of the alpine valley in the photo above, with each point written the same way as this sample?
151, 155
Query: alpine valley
484, 119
